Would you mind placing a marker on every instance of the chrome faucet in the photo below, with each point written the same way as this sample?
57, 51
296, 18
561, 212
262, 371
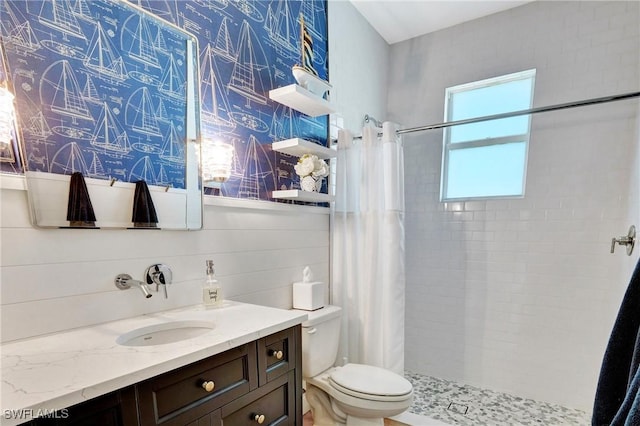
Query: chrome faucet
160, 275
125, 281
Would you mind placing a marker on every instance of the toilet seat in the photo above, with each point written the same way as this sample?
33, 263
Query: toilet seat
371, 383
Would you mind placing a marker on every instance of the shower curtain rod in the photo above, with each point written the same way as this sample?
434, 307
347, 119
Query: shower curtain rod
557, 107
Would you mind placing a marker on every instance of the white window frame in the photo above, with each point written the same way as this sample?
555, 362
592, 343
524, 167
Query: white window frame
448, 146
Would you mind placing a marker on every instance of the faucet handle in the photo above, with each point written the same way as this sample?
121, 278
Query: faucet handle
159, 274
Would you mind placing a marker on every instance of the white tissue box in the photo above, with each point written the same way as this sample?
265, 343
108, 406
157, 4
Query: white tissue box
308, 296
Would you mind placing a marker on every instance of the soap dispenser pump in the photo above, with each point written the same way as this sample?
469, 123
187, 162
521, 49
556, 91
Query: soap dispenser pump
211, 292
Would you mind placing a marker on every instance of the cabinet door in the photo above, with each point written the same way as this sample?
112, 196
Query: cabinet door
185, 395
270, 405
277, 354
113, 409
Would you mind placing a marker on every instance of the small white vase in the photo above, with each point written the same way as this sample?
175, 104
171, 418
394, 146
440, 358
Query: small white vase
311, 184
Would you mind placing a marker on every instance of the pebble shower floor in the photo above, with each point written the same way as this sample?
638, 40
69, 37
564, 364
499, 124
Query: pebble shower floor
458, 404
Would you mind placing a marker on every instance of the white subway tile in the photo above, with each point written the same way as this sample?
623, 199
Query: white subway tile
534, 282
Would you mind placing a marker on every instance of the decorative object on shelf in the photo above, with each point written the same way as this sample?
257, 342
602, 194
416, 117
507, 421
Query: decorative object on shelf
217, 160
311, 170
79, 209
305, 74
310, 183
144, 212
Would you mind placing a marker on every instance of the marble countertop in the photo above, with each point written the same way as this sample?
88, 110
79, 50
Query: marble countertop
62, 369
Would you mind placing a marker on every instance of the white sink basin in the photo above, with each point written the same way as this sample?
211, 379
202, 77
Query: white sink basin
169, 332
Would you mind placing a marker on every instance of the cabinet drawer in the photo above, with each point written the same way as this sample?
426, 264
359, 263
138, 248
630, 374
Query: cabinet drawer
275, 401
178, 397
276, 355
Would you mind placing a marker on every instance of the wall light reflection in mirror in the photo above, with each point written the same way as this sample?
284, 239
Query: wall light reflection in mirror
216, 162
6, 116
7, 111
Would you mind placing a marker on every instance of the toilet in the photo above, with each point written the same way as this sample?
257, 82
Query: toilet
354, 394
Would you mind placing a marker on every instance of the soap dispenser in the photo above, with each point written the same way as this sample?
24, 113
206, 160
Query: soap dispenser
211, 292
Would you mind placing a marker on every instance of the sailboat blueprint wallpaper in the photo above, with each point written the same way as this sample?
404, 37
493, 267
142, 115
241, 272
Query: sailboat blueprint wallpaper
100, 86
100, 89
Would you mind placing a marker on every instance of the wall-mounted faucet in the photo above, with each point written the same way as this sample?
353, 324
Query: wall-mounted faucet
125, 281
158, 274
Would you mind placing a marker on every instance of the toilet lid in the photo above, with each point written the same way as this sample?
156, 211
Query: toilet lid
370, 382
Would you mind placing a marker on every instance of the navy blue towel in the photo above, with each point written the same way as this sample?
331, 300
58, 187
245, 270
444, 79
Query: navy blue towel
144, 212
617, 400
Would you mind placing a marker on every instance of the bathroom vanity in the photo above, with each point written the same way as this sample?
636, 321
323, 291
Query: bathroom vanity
245, 370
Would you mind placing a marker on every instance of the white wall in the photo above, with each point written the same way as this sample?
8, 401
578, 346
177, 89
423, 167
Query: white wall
358, 66
520, 295
634, 199
58, 279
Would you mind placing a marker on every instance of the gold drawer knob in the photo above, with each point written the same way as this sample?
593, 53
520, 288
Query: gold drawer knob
277, 354
208, 385
259, 418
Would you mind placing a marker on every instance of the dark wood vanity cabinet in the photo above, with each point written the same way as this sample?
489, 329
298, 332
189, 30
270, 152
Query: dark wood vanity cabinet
256, 383
182, 396
113, 409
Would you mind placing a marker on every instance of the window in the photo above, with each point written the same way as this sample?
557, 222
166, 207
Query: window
487, 159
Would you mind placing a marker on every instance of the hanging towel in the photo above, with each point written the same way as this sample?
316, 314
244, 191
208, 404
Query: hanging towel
80, 212
628, 413
617, 400
144, 212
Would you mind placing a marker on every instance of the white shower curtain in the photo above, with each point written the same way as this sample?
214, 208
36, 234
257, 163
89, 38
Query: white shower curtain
368, 248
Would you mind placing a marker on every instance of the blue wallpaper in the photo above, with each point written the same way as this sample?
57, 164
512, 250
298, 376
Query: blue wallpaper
100, 87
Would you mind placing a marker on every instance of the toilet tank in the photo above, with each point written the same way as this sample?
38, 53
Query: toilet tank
320, 337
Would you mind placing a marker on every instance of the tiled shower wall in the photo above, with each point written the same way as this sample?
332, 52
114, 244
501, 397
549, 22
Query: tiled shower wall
520, 295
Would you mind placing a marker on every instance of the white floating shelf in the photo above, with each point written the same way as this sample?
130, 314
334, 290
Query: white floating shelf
302, 100
298, 195
298, 147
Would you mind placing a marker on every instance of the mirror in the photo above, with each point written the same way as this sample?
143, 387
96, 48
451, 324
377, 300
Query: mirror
107, 96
